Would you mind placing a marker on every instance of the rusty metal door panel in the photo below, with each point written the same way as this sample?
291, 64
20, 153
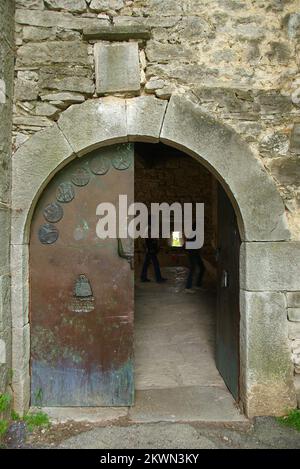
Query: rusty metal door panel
228, 311
81, 289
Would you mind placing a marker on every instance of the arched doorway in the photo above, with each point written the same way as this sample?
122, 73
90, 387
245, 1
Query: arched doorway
266, 383
81, 288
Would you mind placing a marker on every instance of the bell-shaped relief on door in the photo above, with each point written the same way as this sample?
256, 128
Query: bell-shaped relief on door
126, 250
83, 300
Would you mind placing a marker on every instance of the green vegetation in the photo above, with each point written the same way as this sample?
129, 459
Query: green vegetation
39, 419
292, 419
3, 428
5, 400
15, 416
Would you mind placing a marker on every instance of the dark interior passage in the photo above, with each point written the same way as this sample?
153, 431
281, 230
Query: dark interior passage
164, 174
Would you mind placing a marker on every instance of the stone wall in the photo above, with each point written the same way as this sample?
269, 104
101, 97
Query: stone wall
6, 95
238, 58
293, 304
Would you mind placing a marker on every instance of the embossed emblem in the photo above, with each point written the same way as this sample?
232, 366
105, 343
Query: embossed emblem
65, 192
82, 287
80, 177
122, 159
100, 164
83, 300
53, 212
48, 234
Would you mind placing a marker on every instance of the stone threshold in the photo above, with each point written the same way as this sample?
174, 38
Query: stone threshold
189, 404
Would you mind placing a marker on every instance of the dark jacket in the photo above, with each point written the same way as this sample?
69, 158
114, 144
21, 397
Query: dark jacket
152, 246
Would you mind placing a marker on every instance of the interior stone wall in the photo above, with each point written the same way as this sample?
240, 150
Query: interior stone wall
6, 95
238, 58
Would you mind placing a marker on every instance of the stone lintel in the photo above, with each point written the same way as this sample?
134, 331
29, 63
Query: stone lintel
117, 33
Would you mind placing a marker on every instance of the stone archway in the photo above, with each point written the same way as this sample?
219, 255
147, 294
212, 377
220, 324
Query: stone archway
265, 268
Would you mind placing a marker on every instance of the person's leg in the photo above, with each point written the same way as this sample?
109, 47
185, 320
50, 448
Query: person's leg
145, 268
201, 270
189, 282
156, 267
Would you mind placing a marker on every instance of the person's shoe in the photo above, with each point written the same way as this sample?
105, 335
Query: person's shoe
200, 289
145, 280
162, 280
189, 290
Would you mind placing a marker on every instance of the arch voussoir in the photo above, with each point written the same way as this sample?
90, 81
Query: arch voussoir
33, 165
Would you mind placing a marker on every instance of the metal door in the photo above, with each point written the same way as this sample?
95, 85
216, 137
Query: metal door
82, 287
228, 312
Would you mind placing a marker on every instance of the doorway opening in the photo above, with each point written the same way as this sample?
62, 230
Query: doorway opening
185, 338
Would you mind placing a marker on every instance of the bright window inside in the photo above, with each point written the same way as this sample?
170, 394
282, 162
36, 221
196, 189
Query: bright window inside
176, 239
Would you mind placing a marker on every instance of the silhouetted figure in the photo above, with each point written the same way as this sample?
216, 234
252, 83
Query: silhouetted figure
196, 263
152, 248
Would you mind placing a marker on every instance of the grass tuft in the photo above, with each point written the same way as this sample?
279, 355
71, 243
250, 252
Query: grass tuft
3, 427
5, 400
39, 419
15, 416
292, 419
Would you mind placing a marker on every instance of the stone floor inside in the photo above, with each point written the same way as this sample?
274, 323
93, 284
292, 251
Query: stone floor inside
175, 373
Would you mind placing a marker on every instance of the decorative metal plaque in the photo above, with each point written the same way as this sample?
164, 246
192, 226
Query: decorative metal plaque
82, 287
53, 212
65, 192
82, 305
122, 158
83, 300
81, 177
100, 164
48, 234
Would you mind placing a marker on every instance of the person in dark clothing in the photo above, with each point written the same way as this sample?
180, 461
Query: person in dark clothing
152, 249
196, 263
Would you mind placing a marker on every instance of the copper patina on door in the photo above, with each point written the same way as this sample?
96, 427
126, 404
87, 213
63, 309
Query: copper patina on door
82, 287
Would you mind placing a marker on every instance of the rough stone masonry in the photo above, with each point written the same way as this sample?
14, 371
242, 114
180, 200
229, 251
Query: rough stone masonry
6, 98
240, 59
